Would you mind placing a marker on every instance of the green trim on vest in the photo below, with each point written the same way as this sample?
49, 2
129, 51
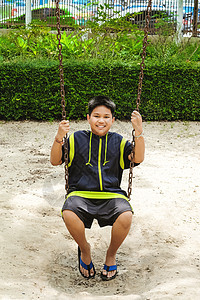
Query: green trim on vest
122, 145
106, 145
96, 195
99, 165
72, 149
90, 149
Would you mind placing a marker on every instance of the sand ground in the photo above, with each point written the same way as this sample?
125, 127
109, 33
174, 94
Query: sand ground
160, 259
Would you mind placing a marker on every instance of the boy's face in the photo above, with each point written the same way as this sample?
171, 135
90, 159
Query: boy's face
100, 120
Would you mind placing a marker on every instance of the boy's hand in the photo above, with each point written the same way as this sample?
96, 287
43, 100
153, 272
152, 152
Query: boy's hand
136, 121
63, 129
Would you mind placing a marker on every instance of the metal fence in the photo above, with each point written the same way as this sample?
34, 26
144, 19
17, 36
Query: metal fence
78, 12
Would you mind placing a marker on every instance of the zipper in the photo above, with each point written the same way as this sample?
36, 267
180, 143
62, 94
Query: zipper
99, 165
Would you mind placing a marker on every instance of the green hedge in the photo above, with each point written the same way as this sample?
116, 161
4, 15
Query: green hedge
30, 90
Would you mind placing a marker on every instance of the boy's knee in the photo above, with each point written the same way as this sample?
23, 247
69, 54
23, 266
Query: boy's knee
69, 216
125, 219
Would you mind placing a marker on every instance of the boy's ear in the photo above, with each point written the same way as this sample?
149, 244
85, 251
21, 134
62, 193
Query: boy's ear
113, 119
88, 117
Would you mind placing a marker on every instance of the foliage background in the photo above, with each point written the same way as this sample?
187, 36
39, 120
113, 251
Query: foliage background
104, 58
30, 89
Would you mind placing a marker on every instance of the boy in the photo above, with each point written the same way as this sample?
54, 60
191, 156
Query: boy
97, 159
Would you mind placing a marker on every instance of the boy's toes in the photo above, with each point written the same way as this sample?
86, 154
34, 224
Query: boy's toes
109, 272
84, 272
87, 273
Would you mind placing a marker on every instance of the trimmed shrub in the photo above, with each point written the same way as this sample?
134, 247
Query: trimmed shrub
31, 89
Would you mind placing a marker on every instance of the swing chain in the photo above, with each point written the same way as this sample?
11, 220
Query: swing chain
62, 89
141, 76
62, 92
142, 65
130, 179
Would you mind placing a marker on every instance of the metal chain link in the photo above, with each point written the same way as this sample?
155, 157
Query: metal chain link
141, 75
62, 92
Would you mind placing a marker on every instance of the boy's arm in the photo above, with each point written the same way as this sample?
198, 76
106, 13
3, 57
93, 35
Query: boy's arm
136, 121
56, 149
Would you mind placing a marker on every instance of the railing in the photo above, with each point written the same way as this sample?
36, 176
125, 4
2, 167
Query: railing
78, 12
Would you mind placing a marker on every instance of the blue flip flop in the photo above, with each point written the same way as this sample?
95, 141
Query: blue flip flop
86, 267
108, 269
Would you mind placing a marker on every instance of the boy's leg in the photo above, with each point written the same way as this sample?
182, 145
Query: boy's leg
119, 232
77, 230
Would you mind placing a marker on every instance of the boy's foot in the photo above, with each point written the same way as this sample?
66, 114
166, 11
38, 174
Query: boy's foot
86, 270
110, 269
111, 272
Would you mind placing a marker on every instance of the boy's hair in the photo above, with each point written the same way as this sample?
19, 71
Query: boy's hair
101, 100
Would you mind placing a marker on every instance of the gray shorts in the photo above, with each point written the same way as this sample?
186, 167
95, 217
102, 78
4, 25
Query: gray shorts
105, 211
